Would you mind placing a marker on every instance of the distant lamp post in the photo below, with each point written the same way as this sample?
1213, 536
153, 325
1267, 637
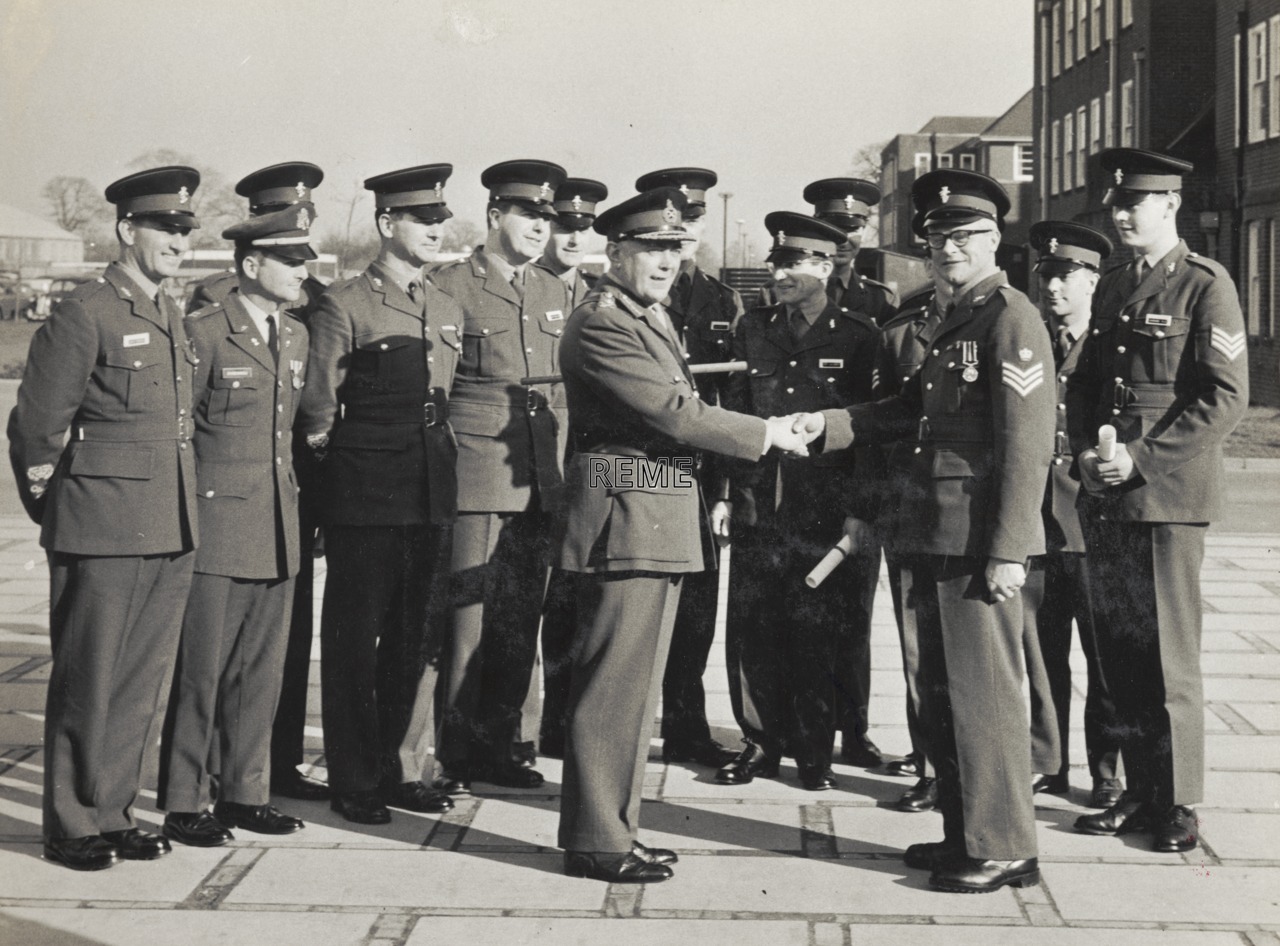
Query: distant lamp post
724, 237
742, 242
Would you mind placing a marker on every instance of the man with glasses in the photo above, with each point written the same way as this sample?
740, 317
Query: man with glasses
1165, 365
1057, 588
115, 501
981, 411
787, 641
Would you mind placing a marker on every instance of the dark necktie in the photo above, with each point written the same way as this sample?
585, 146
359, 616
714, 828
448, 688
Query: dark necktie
799, 325
1139, 271
517, 283
1063, 346
273, 337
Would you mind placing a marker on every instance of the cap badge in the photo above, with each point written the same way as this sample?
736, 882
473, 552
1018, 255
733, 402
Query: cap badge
439, 189
782, 238
544, 190
304, 219
301, 190
184, 195
670, 214
848, 202
945, 194
1119, 176
577, 202
1053, 246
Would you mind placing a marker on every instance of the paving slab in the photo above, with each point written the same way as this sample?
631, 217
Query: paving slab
1255, 604
1251, 623
725, 827
114, 927
1226, 789
170, 879
27, 697
1242, 752
27, 586
419, 879
787, 885
1235, 690
21, 729
885, 934
1243, 664
8, 663
856, 785
572, 931
1217, 642
1181, 893
1239, 836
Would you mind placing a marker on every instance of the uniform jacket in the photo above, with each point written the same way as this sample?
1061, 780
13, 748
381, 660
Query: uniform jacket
830, 366
245, 405
636, 423
217, 287
1062, 531
978, 473
1165, 364
873, 299
379, 377
510, 436
704, 312
115, 370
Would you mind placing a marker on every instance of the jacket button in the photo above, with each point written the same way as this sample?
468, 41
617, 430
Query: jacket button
137, 364
1057, 461
1062, 407
1159, 334
793, 364
383, 346
791, 390
917, 450
209, 494
1120, 349
1124, 318
1062, 379
528, 351
928, 386
279, 461
182, 446
524, 318
431, 359
1115, 410
1119, 380
235, 384
753, 370
831, 380
935, 352
484, 331
279, 407
279, 435
559, 331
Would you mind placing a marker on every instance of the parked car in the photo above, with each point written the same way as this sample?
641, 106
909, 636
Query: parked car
57, 290
17, 298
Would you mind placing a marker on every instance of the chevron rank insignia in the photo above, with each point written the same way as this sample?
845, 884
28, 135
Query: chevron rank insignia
1022, 380
1230, 345
875, 379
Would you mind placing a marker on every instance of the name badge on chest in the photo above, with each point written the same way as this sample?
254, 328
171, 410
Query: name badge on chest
136, 341
721, 326
236, 373
555, 315
830, 362
1157, 318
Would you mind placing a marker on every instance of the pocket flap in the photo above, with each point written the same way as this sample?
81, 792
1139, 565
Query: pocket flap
485, 327
133, 359
762, 369
213, 480
236, 381
478, 419
1157, 325
380, 343
126, 462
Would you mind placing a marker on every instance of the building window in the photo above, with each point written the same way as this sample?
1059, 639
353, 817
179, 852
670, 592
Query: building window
887, 235
1095, 126
1126, 13
1082, 28
1096, 18
1275, 78
1126, 114
1055, 162
1275, 264
1109, 119
945, 161
1082, 135
966, 162
1055, 24
923, 163
1068, 153
1024, 168
1259, 80
1069, 33
1255, 280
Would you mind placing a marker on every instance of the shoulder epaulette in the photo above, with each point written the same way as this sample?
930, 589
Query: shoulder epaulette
205, 311
1207, 263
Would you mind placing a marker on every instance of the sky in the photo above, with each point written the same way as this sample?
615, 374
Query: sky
771, 94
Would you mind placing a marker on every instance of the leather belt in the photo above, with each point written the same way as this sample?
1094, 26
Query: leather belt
123, 431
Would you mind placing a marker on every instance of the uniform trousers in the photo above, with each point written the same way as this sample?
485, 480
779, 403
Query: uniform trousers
114, 625
854, 682
684, 700
1046, 738
288, 731
1146, 591
625, 621
499, 577
559, 621
376, 646
910, 665
226, 686
975, 719
1056, 594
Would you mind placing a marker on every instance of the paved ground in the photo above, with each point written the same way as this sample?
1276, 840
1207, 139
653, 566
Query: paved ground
767, 863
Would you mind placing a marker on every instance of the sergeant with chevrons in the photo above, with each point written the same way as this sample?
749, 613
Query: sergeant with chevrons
116, 505
384, 347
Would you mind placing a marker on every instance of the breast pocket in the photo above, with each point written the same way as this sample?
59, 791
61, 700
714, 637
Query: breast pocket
233, 400
482, 345
379, 358
1165, 337
140, 377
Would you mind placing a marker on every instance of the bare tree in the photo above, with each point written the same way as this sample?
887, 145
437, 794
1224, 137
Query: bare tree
865, 164
460, 236
76, 204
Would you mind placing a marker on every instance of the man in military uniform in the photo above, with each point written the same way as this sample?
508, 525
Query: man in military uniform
511, 444
632, 527
804, 353
1165, 365
983, 416
1057, 588
115, 500
703, 312
576, 204
384, 346
247, 383
846, 202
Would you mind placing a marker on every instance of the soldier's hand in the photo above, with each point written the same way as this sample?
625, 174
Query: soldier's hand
859, 533
1087, 464
1004, 579
1116, 471
721, 521
809, 426
783, 437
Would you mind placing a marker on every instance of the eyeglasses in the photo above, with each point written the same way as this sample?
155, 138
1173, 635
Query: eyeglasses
937, 241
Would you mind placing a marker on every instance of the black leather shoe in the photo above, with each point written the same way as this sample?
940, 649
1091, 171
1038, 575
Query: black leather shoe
261, 819
1175, 830
1055, 784
361, 807
860, 751
509, 775
930, 855
524, 755
1124, 817
747, 765
551, 746
293, 784
88, 853
615, 869
910, 767
706, 752
1106, 792
196, 829
969, 875
817, 778
134, 844
453, 781
922, 796
653, 855
414, 796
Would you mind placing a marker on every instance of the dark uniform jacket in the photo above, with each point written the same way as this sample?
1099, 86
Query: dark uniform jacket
1165, 364
379, 377
704, 312
982, 408
631, 396
830, 366
873, 299
510, 436
115, 370
1062, 531
245, 404
217, 287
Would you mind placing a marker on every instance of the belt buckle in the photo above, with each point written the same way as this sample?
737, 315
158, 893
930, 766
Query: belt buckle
922, 432
533, 400
429, 417
1121, 397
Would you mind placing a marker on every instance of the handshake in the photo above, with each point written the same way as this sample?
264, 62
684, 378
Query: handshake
793, 434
